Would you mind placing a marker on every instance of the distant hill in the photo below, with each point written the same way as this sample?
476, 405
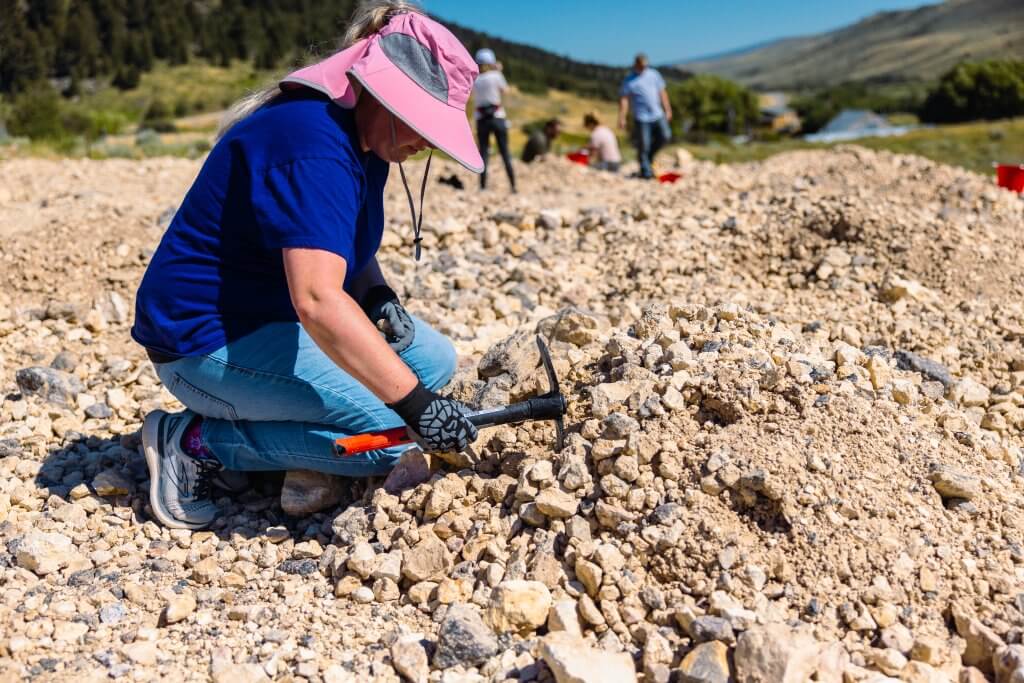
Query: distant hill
910, 45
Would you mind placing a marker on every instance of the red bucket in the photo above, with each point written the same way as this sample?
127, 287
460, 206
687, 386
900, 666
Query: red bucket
1010, 177
669, 177
579, 158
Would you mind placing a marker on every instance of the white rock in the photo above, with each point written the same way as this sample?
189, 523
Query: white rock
571, 660
42, 552
519, 606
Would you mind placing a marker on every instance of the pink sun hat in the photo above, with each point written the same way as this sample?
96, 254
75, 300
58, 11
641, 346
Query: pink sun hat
418, 70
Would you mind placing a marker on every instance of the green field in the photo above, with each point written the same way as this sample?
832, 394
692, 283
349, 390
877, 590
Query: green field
193, 95
971, 145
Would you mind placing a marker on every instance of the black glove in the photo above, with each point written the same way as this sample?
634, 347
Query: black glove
440, 423
383, 309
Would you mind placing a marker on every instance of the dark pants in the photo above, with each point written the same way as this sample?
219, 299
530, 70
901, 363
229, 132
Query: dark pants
648, 138
499, 127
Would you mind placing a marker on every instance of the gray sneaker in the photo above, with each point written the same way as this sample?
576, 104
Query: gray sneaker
179, 485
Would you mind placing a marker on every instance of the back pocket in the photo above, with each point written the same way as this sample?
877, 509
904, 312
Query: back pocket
199, 401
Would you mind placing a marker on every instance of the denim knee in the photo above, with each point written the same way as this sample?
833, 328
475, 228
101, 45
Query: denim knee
443, 365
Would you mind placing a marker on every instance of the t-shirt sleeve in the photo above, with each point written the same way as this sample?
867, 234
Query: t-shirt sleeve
659, 81
502, 83
624, 88
312, 203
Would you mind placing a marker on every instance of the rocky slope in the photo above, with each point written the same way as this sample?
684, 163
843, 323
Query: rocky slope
793, 450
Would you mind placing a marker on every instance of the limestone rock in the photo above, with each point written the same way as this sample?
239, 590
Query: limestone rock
517, 355
428, 560
557, 504
306, 492
570, 325
43, 552
982, 642
410, 659
229, 672
952, 483
969, 392
919, 672
519, 606
179, 609
112, 483
571, 660
775, 654
141, 652
362, 560
563, 617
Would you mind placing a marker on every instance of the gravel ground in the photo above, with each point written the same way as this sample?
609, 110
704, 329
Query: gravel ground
793, 447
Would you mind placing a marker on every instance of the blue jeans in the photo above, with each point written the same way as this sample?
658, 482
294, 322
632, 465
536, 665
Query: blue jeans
648, 138
273, 400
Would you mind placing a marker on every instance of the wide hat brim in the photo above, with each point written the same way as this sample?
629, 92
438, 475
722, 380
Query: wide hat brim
444, 126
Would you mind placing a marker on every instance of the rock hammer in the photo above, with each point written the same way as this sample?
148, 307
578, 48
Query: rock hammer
549, 406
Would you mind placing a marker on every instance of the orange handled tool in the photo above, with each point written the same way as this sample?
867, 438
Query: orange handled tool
372, 441
549, 406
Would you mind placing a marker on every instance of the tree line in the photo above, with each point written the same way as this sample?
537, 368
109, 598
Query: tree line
970, 91
71, 41
74, 42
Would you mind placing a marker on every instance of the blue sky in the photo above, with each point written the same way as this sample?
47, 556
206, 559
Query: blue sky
612, 31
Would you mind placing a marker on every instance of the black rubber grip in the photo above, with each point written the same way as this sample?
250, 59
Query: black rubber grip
541, 408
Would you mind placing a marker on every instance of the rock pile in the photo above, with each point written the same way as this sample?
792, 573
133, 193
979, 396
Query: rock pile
793, 449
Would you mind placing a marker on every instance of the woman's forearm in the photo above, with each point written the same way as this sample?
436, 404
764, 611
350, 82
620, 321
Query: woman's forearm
340, 328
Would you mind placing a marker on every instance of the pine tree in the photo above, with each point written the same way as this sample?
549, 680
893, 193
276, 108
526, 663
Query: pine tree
21, 57
80, 49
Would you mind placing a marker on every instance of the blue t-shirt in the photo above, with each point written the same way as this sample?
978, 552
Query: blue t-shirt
292, 174
644, 92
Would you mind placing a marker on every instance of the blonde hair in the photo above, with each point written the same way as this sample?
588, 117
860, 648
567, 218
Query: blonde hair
369, 18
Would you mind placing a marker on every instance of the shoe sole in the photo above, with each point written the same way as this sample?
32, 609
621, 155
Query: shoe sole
151, 440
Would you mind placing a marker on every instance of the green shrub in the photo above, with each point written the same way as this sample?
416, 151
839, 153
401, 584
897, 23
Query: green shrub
181, 107
977, 90
707, 103
162, 125
92, 124
36, 114
127, 78
158, 110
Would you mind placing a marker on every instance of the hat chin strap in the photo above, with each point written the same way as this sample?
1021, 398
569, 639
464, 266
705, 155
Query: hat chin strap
417, 224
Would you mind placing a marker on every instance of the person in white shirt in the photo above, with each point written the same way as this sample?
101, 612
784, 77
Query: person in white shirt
603, 146
489, 114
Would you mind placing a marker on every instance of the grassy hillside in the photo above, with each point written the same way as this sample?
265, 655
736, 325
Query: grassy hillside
196, 94
910, 45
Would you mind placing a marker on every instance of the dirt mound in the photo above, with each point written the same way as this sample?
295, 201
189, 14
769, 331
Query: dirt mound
793, 449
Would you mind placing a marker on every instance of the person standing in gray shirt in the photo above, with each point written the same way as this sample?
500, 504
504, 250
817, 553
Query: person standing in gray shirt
490, 118
643, 92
